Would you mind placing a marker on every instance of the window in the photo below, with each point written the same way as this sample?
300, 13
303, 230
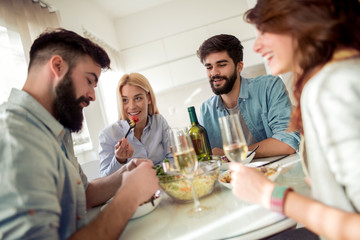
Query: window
13, 66
17, 32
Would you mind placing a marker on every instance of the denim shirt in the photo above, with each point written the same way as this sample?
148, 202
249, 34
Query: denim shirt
265, 106
42, 187
154, 144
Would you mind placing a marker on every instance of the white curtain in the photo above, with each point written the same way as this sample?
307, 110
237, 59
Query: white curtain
108, 80
113, 54
21, 21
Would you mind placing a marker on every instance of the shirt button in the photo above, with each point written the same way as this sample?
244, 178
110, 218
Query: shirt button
78, 181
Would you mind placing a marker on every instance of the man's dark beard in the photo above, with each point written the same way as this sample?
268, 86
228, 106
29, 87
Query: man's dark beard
67, 108
227, 86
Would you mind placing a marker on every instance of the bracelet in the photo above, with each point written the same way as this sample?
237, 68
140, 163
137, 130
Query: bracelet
277, 198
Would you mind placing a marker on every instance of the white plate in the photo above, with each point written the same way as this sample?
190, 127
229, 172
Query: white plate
226, 175
142, 209
225, 166
146, 208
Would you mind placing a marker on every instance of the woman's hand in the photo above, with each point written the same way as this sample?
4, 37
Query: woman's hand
123, 150
250, 185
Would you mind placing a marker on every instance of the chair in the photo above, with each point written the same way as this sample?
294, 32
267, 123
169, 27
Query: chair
91, 169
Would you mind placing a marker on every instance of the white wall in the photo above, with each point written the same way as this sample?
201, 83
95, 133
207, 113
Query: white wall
173, 18
79, 14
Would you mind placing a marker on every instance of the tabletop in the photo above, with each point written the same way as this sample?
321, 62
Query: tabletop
230, 218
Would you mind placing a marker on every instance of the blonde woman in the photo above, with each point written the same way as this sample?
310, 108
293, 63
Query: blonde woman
149, 138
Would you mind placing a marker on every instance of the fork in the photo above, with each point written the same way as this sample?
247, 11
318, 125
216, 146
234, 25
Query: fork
252, 151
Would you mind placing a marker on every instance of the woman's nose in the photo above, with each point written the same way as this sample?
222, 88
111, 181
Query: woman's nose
131, 103
257, 44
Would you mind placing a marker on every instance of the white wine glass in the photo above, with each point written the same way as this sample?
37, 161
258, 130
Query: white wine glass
234, 143
186, 162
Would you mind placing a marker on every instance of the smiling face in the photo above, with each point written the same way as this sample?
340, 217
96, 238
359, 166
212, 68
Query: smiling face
74, 92
135, 102
222, 72
277, 50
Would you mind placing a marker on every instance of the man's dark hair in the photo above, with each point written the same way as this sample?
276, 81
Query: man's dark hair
67, 44
219, 43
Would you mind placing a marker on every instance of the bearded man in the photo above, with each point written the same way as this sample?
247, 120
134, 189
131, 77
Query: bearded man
262, 103
44, 194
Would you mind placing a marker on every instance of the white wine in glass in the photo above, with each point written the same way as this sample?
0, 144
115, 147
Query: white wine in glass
186, 163
236, 151
234, 143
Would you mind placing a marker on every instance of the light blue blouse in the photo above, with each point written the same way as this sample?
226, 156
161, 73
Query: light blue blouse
154, 144
42, 192
265, 107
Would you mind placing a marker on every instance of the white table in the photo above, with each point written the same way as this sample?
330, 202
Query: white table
230, 218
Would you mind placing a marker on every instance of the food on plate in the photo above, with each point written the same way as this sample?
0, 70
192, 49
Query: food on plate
267, 171
224, 159
225, 177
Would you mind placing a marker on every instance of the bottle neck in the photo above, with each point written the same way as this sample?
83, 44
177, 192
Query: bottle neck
193, 118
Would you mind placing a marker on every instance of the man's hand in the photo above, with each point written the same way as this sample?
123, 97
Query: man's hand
136, 162
141, 180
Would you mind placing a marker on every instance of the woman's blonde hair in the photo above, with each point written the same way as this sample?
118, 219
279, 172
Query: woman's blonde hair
138, 80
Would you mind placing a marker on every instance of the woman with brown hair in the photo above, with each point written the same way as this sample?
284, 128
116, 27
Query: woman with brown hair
148, 139
319, 41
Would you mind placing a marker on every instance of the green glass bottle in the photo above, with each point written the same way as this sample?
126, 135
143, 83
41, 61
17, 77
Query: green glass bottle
199, 137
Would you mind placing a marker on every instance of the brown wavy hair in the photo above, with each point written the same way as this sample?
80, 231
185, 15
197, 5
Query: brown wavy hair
318, 26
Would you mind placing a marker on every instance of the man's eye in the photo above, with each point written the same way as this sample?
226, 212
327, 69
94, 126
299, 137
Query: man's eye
89, 81
138, 98
124, 100
209, 68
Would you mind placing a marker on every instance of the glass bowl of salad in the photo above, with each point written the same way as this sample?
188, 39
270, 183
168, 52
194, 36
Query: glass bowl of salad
178, 188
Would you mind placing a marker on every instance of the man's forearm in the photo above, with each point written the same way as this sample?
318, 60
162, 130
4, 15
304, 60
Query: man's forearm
102, 189
271, 147
112, 220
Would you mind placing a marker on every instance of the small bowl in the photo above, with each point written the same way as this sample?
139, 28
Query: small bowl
225, 179
179, 189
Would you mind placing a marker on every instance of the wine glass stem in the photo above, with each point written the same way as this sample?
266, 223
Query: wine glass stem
196, 200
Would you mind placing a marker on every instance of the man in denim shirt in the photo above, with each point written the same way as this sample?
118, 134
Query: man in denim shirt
262, 103
44, 193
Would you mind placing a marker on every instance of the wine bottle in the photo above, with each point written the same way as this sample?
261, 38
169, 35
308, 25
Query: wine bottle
199, 137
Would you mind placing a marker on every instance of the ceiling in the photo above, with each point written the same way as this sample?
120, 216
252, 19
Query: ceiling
121, 8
